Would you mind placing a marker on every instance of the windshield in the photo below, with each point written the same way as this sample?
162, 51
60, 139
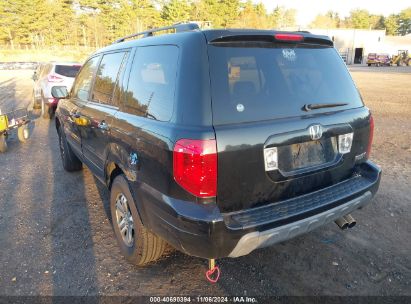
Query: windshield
261, 83
67, 70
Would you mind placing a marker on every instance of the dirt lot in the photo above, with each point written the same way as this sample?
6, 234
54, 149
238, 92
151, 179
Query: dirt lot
56, 239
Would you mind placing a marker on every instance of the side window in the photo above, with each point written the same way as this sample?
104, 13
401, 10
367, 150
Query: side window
106, 78
119, 89
152, 82
82, 85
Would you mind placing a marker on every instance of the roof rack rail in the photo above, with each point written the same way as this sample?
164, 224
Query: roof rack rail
178, 27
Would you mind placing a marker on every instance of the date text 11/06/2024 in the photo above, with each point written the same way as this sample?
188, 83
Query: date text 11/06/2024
203, 299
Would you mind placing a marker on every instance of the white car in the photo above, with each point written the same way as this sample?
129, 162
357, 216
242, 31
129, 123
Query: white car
48, 75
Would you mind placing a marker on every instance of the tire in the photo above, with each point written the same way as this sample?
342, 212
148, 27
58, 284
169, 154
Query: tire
143, 247
23, 133
3, 143
70, 161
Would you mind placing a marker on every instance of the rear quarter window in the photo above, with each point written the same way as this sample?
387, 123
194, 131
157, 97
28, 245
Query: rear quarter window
152, 81
261, 83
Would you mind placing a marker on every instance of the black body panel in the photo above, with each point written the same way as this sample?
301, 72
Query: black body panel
243, 183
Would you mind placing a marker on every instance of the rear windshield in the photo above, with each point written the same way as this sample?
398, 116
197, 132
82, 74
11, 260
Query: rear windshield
67, 70
261, 83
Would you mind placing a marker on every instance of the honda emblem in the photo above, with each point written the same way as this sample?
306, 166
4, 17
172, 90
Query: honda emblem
316, 131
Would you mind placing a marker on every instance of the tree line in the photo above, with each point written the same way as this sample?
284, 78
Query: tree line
95, 23
394, 24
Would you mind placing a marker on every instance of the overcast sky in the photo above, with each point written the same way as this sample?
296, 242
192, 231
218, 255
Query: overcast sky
307, 10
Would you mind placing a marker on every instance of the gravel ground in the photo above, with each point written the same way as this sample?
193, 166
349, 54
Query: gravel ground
56, 239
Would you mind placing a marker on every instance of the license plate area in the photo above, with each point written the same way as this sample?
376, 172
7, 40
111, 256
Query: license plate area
305, 156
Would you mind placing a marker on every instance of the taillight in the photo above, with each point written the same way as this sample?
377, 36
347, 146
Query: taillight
195, 166
288, 37
371, 135
54, 78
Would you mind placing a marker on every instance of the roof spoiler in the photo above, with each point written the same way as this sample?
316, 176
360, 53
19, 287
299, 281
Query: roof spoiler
279, 37
178, 27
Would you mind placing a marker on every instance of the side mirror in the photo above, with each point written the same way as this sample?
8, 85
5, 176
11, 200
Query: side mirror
34, 77
59, 92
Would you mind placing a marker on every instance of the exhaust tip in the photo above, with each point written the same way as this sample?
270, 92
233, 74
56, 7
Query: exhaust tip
342, 223
351, 221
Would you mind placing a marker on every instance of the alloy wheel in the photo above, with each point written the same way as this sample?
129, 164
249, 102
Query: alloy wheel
124, 220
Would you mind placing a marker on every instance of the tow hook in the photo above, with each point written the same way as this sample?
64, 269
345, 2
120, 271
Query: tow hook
213, 272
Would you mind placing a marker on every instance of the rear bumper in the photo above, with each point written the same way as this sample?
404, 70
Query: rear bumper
201, 230
254, 240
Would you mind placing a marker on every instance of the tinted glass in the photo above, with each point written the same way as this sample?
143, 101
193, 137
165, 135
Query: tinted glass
67, 70
261, 83
82, 84
119, 89
106, 77
152, 81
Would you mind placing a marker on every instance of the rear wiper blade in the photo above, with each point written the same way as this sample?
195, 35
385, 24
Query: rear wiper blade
314, 106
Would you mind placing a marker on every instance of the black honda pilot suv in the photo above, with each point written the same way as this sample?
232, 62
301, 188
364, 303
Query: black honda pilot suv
219, 142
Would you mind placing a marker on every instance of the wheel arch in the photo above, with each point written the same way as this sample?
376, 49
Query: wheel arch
118, 163
112, 170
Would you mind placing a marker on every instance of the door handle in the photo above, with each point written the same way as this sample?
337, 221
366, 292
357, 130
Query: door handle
103, 126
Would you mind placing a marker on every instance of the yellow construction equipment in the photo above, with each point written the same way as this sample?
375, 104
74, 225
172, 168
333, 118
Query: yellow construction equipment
401, 59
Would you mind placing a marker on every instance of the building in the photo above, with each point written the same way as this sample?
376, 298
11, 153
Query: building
354, 44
